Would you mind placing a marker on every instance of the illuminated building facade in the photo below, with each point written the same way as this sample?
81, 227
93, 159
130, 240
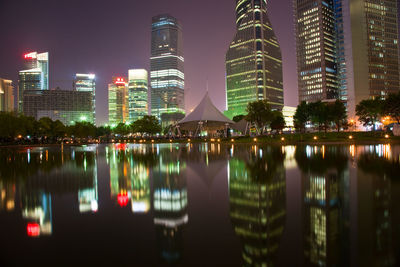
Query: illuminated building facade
257, 203
6, 95
87, 83
68, 106
138, 94
368, 50
253, 61
118, 111
35, 76
166, 68
316, 50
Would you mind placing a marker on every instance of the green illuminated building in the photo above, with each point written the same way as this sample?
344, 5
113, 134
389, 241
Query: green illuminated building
138, 93
118, 111
253, 61
87, 83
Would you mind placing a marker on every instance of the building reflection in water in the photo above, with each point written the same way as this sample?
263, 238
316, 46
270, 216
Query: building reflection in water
88, 198
257, 197
7, 196
130, 175
170, 201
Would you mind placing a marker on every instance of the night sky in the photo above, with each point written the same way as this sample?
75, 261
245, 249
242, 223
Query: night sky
109, 37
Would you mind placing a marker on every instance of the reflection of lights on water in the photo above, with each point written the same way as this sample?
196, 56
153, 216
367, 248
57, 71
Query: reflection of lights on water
29, 155
94, 205
308, 151
33, 229
123, 199
261, 153
323, 152
352, 149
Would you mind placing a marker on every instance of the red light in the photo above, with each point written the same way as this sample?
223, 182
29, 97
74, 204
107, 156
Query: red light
30, 56
123, 199
120, 146
120, 81
33, 229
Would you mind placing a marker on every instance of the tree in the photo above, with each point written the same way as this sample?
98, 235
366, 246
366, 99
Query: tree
302, 116
238, 118
339, 113
121, 129
147, 124
259, 113
320, 115
391, 106
278, 121
369, 111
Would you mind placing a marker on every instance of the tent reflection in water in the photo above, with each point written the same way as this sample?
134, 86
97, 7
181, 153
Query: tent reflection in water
205, 117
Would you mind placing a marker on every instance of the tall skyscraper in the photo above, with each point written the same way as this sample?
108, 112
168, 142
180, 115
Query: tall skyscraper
166, 65
6, 95
347, 50
118, 101
370, 50
138, 93
316, 50
87, 83
35, 76
253, 61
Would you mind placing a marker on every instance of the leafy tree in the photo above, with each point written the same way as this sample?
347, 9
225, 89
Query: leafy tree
339, 114
238, 118
82, 129
302, 116
278, 121
147, 124
259, 112
320, 115
391, 106
121, 129
369, 111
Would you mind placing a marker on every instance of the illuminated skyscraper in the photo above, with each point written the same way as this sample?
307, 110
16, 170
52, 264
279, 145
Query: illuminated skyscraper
6, 95
316, 50
35, 76
87, 83
166, 69
138, 93
253, 61
368, 50
118, 101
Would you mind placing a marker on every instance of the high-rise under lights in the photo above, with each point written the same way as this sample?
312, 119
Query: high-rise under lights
138, 93
118, 111
87, 83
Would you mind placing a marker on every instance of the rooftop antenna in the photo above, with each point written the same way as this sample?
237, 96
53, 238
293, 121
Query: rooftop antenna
207, 85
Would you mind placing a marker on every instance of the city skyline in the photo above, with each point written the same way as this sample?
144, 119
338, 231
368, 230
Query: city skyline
204, 49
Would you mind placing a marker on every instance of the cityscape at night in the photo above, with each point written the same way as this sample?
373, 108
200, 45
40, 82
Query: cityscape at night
212, 133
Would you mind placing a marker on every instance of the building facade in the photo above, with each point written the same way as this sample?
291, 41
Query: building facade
166, 67
35, 76
68, 106
253, 61
347, 50
316, 50
118, 111
6, 96
137, 94
87, 83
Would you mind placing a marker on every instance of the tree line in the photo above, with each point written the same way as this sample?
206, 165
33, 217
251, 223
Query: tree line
17, 126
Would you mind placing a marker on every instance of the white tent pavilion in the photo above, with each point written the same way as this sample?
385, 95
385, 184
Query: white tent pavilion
205, 117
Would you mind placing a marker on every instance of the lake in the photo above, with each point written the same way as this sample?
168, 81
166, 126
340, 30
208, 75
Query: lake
200, 204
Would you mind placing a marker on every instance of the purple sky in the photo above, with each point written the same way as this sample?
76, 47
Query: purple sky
109, 37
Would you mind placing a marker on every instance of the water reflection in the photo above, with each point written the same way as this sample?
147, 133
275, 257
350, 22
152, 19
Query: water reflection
347, 194
257, 197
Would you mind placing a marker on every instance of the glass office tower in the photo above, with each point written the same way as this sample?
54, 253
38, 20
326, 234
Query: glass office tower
35, 76
316, 50
138, 93
117, 101
166, 69
253, 61
6, 95
87, 83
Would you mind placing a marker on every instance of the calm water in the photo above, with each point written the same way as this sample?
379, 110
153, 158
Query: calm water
200, 205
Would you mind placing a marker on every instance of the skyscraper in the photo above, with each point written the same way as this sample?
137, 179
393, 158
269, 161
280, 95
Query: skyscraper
370, 50
138, 93
117, 101
316, 50
166, 69
253, 61
347, 50
87, 83
35, 76
6, 95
